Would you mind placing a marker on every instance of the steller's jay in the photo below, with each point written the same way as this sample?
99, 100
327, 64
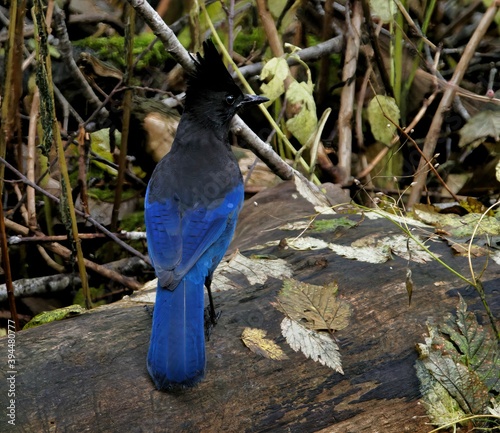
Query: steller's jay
192, 204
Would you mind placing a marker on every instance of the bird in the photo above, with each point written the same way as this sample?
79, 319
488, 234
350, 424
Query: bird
192, 204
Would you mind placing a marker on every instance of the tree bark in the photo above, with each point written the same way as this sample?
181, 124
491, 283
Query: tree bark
88, 373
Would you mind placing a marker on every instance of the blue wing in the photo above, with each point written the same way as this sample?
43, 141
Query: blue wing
178, 239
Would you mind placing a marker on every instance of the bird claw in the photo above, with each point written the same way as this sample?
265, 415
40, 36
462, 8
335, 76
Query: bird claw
211, 319
149, 309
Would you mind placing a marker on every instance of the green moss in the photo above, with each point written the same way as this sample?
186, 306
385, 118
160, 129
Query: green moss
95, 292
244, 41
53, 315
133, 221
108, 195
330, 225
112, 49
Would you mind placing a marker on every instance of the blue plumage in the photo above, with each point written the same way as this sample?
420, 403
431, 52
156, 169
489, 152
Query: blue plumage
177, 350
191, 207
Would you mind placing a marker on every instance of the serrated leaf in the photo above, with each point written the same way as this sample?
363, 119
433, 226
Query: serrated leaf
255, 339
495, 410
462, 384
256, 270
477, 348
401, 245
382, 128
319, 346
53, 315
441, 407
315, 307
458, 226
464, 358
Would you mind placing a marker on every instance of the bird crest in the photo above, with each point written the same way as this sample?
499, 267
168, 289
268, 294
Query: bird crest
210, 71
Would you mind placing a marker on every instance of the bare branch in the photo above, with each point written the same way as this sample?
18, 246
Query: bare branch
172, 45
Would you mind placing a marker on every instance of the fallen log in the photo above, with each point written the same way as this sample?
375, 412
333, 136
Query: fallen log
88, 373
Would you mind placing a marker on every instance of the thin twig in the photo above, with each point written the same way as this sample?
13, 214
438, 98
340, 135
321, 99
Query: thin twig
127, 108
15, 240
66, 50
172, 44
310, 54
88, 218
410, 127
478, 284
270, 28
377, 52
348, 92
65, 253
52, 131
6, 268
447, 100
30, 159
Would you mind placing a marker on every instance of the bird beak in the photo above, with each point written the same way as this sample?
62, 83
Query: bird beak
252, 100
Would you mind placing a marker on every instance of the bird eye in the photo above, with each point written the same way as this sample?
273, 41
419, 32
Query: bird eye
230, 99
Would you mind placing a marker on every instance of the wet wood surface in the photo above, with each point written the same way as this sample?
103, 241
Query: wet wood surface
88, 373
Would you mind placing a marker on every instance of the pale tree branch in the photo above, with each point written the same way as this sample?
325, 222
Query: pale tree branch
348, 91
174, 47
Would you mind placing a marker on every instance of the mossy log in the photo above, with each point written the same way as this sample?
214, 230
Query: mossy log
88, 373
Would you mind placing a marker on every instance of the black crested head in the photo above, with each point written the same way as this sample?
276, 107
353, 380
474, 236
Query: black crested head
210, 72
212, 95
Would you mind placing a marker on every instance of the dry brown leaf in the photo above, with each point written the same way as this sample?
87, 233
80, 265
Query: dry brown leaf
315, 307
255, 339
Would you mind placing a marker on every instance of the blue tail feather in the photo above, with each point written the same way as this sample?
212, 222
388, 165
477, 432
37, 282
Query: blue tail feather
176, 357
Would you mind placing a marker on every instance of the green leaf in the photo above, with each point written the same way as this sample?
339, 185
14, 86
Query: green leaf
463, 384
304, 123
274, 73
99, 143
442, 409
384, 9
463, 357
479, 127
330, 225
380, 110
477, 348
456, 225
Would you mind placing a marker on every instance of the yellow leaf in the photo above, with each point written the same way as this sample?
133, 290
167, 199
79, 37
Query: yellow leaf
384, 9
99, 143
255, 339
274, 73
304, 123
